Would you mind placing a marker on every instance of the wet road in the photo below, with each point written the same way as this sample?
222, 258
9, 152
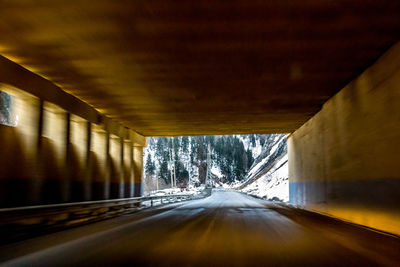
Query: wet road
226, 229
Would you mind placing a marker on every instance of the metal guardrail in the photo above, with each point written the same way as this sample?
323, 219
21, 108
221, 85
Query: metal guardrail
78, 210
22, 222
109, 202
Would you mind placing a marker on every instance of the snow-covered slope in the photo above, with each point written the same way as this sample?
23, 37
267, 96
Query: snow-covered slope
268, 176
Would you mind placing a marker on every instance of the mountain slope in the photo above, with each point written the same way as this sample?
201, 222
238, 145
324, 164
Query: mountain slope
268, 176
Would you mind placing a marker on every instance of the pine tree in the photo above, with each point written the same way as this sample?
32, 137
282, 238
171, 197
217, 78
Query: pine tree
185, 144
253, 140
150, 166
164, 172
182, 175
250, 159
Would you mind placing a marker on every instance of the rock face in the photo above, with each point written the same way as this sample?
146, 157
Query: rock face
268, 175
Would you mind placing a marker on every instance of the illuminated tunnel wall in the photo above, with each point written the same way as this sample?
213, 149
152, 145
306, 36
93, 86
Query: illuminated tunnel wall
56, 148
69, 160
345, 161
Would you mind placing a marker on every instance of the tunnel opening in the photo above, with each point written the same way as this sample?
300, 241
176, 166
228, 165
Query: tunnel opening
255, 164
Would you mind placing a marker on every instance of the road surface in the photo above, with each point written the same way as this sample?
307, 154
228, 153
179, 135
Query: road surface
225, 229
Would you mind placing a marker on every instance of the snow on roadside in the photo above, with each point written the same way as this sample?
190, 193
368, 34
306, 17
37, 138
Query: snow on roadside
176, 191
274, 185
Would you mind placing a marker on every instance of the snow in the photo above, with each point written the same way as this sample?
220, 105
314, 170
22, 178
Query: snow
274, 148
256, 150
216, 171
274, 184
258, 166
176, 191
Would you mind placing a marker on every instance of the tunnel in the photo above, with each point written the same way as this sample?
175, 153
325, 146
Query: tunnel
84, 84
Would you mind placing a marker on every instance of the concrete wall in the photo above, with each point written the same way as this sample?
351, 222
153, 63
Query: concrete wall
61, 149
345, 161
66, 159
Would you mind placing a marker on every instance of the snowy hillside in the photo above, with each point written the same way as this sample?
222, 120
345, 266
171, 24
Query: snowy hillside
268, 176
186, 158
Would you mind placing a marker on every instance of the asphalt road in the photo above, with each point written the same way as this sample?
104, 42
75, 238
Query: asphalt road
226, 229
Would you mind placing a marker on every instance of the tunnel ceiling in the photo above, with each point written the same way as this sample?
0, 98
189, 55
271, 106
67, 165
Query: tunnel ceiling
200, 67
